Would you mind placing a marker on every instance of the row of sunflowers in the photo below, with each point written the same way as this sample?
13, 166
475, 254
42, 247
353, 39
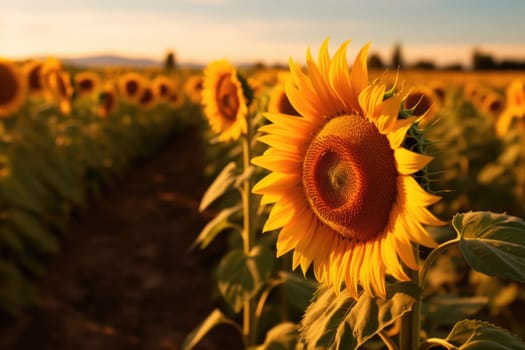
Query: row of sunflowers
392, 200
65, 136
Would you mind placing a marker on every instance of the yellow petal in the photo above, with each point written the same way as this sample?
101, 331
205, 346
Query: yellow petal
278, 161
400, 128
390, 258
416, 232
280, 215
276, 183
408, 162
359, 73
270, 198
424, 216
414, 194
339, 77
352, 273
324, 58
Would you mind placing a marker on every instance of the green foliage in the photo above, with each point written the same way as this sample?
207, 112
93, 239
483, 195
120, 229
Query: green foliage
214, 227
493, 244
281, 337
241, 276
474, 334
341, 322
220, 185
215, 318
444, 310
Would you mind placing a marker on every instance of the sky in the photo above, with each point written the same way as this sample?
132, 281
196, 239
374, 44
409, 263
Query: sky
268, 31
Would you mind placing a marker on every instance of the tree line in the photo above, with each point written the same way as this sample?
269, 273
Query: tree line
479, 61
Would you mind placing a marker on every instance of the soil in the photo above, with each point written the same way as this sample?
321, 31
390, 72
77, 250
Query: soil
125, 279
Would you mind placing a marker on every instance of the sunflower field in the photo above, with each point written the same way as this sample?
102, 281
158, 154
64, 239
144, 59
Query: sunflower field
353, 208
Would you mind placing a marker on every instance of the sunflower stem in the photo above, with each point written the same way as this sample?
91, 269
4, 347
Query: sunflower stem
410, 322
429, 261
248, 234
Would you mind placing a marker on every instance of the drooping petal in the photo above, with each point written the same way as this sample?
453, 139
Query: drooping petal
409, 162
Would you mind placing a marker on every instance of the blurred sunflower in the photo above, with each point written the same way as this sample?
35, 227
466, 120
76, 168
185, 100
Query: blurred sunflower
33, 71
163, 87
278, 102
493, 104
341, 180
13, 87
193, 88
223, 99
57, 85
130, 86
107, 100
175, 99
86, 83
514, 110
147, 98
424, 104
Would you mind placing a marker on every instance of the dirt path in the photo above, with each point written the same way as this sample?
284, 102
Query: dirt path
125, 279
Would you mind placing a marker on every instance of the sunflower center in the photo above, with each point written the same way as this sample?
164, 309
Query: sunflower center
35, 83
349, 177
132, 87
9, 85
147, 96
86, 84
227, 98
163, 90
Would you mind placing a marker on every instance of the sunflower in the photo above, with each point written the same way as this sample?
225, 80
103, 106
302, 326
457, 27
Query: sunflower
514, 110
493, 104
193, 88
33, 71
13, 87
86, 83
130, 86
59, 87
107, 100
424, 104
163, 87
224, 103
175, 99
279, 102
147, 98
341, 181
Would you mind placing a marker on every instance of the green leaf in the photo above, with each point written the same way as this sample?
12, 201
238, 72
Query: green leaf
493, 244
479, 335
219, 186
33, 232
447, 309
16, 293
281, 337
214, 319
246, 174
299, 290
341, 322
241, 276
218, 224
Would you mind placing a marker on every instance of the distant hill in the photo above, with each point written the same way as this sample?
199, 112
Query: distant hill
110, 60
115, 60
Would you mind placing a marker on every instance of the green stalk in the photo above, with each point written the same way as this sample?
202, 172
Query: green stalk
410, 322
248, 234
